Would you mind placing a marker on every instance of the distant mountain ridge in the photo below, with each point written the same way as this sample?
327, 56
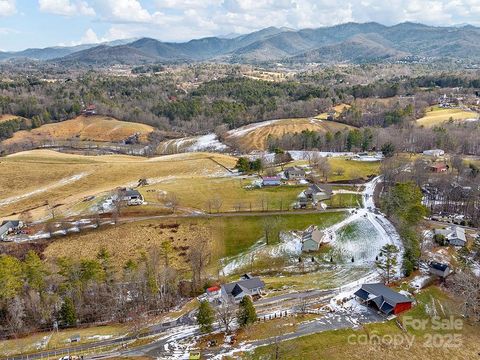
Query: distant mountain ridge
350, 42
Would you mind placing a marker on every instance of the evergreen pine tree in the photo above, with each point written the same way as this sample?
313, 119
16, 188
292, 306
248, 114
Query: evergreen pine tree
205, 317
246, 313
68, 313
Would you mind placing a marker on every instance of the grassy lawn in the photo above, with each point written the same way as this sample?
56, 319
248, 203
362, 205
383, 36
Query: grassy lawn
196, 193
353, 169
335, 344
324, 278
436, 116
237, 234
344, 200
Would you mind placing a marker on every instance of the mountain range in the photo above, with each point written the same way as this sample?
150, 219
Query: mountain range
350, 42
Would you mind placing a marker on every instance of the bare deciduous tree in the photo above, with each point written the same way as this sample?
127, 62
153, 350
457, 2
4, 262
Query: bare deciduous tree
226, 313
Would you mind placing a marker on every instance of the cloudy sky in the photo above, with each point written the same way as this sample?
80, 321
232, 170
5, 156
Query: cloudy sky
41, 23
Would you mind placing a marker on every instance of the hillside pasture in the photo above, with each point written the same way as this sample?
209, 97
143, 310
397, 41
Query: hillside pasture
92, 128
254, 136
337, 109
42, 176
437, 116
228, 236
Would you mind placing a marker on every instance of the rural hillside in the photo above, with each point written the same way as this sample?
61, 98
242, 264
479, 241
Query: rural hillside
92, 129
256, 136
248, 180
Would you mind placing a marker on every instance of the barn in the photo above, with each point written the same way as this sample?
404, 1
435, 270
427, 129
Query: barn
383, 299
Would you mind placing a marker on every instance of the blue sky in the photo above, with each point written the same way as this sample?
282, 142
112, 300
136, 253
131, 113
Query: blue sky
42, 23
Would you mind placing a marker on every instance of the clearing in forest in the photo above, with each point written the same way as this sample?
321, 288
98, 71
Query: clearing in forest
82, 128
437, 116
255, 136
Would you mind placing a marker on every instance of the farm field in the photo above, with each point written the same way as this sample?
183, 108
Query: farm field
60, 339
254, 136
351, 169
437, 116
229, 191
91, 128
65, 180
229, 236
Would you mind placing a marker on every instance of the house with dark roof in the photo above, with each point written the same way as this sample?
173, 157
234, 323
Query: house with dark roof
316, 193
294, 173
234, 292
455, 235
132, 197
439, 269
383, 299
9, 226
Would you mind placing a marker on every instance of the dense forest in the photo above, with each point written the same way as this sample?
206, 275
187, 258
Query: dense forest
198, 101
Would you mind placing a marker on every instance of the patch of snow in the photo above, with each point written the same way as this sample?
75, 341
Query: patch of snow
60, 183
418, 282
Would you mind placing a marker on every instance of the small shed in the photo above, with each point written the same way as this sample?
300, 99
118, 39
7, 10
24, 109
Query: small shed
311, 240
439, 269
75, 338
438, 168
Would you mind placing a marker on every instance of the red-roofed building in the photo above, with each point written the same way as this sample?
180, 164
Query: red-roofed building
438, 167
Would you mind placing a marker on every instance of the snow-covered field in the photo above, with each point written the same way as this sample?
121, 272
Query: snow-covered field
207, 142
361, 235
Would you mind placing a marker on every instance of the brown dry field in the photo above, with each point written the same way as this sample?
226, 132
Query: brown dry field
91, 128
254, 136
7, 117
128, 241
64, 179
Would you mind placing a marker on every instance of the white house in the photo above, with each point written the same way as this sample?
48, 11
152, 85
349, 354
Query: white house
455, 235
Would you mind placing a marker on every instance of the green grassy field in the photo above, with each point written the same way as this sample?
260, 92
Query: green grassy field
198, 193
237, 234
344, 201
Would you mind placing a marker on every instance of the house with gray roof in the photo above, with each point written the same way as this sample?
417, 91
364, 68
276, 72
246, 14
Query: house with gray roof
455, 235
316, 193
249, 286
383, 299
132, 197
9, 226
312, 239
294, 173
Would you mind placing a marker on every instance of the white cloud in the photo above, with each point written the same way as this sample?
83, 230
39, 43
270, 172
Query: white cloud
7, 7
124, 11
66, 7
180, 20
